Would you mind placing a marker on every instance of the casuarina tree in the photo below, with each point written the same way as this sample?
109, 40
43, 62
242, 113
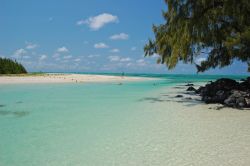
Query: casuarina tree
218, 28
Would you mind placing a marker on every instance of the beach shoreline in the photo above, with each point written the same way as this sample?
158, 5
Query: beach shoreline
65, 78
119, 123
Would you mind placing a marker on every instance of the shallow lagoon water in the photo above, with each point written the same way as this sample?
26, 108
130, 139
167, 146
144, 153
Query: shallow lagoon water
108, 124
61, 124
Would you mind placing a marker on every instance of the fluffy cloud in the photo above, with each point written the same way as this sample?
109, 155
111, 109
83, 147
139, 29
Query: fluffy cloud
93, 55
67, 57
121, 36
77, 60
19, 52
97, 22
26, 57
114, 58
101, 45
155, 55
42, 57
141, 62
199, 60
62, 49
81, 22
125, 59
56, 55
31, 46
115, 50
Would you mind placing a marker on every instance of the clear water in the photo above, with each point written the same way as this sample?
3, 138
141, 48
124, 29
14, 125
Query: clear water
89, 124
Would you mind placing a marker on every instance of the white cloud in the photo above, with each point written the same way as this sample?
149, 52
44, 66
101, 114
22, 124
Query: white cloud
133, 48
125, 59
141, 62
81, 22
20, 51
114, 58
93, 55
56, 55
101, 45
62, 49
199, 60
67, 57
65, 61
121, 36
115, 50
155, 55
97, 22
129, 64
26, 57
31, 46
77, 60
43, 57
58, 59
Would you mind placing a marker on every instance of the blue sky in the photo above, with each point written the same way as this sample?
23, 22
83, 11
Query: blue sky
85, 36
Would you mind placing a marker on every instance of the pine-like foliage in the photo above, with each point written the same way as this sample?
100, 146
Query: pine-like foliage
221, 27
8, 66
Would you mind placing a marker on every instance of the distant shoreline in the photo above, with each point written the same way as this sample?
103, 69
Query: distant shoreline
64, 78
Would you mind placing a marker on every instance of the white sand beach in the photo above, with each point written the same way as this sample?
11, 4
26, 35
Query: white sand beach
197, 133
100, 124
65, 78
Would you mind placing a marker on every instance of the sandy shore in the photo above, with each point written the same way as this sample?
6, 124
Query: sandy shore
102, 125
197, 133
65, 78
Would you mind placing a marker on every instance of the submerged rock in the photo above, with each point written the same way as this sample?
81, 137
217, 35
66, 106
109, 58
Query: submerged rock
178, 96
189, 84
191, 89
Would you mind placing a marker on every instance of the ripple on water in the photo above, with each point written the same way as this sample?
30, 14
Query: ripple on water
19, 102
14, 113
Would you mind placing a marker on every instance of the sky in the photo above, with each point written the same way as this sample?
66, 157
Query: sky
86, 36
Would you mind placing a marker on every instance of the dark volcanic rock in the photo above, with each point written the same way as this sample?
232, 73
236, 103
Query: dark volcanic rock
191, 89
226, 91
245, 85
247, 100
198, 91
189, 84
237, 99
178, 96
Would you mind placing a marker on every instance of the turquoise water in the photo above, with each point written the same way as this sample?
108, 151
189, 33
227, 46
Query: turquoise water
83, 124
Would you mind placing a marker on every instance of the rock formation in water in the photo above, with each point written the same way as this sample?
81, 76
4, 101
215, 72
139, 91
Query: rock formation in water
226, 91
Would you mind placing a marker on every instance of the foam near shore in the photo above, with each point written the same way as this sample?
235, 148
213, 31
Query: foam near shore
65, 78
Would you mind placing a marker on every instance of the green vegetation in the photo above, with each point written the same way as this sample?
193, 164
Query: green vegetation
218, 28
8, 66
